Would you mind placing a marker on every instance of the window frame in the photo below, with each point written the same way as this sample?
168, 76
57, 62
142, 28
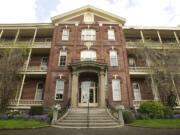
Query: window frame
131, 58
84, 37
37, 89
111, 39
139, 91
62, 90
60, 54
88, 59
119, 90
65, 35
111, 64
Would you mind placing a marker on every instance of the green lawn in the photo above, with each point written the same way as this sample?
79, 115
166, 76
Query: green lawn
157, 123
21, 123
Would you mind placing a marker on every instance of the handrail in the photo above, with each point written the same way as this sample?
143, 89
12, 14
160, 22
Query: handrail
88, 114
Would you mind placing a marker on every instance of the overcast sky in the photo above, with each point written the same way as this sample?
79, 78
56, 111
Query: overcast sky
136, 12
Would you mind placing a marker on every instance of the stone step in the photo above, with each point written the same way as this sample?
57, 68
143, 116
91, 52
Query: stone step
90, 115
88, 124
85, 118
85, 121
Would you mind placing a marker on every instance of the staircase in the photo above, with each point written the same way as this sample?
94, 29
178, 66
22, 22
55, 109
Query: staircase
87, 118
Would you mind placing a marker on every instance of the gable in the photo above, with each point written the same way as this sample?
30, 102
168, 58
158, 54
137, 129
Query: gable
87, 14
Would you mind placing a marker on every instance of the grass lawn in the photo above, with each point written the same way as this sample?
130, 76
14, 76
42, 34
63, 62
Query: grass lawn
21, 123
157, 123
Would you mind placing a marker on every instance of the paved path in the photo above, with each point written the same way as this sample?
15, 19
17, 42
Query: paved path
115, 131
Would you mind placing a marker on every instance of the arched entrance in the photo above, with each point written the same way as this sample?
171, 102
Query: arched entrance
88, 83
88, 89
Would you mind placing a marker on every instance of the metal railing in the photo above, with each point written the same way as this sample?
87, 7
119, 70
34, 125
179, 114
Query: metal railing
42, 44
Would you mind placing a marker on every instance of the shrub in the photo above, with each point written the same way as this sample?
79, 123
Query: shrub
36, 110
50, 115
168, 112
127, 116
177, 112
140, 116
153, 109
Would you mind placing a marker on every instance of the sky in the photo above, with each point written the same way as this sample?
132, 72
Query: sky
136, 12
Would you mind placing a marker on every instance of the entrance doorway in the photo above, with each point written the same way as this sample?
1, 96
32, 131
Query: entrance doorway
88, 94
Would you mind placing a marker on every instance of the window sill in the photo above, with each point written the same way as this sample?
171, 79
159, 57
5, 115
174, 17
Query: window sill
59, 100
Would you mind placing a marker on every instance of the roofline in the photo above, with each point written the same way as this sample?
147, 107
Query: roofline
48, 25
151, 28
89, 8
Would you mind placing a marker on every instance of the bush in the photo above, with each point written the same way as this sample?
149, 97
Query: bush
177, 112
168, 112
152, 109
50, 115
36, 110
127, 116
140, 116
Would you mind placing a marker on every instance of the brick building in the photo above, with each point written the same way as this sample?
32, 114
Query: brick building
84, 57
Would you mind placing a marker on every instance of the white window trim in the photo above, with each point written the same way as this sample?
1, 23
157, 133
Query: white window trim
88, 59
60, 58
139, 91
90, 35
36, 91
56, 91
119, 91
65, 35
116, 58
110, 39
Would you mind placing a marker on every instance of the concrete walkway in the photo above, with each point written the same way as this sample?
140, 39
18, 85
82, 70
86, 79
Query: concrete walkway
115, 131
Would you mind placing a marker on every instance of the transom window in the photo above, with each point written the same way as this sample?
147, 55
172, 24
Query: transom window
65, 34
59, 89
136, 90
63, 55
88, 35
116, 90
111, 35
88, 55
113, 58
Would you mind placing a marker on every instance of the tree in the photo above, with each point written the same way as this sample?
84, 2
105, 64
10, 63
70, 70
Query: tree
164, 64
11, 62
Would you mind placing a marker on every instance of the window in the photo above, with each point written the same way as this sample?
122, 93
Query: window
59, 89
65, 34
132, 62
113, 58
116, 90
62, 58
88, 55
111, 35
88, 35
44, 63
136, 91
39, 91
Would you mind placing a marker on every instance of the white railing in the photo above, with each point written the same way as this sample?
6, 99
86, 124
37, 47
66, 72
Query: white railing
42, 44
37, 68
25, 102
139, 69
137, 103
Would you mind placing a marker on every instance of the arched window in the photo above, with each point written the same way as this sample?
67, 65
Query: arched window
88, 35
88, 55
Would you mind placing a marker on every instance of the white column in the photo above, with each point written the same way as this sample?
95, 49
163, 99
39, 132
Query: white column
102, 89
74, 90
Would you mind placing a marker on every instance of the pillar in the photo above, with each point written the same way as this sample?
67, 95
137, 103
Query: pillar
74, 90
102, 89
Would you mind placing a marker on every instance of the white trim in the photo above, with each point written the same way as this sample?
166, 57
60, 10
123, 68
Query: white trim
56, 90
36, 90
119, 90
